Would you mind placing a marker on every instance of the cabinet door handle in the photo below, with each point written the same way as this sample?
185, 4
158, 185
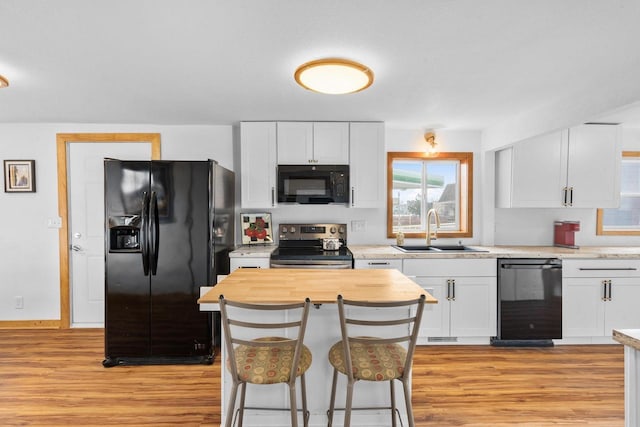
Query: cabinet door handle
453, 290
608, 269
609, 283
570, 196
273, 196
564, 196
379, 263
353, 192
448, 290
604, 290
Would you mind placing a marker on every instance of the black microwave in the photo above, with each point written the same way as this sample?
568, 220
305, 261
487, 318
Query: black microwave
309, 184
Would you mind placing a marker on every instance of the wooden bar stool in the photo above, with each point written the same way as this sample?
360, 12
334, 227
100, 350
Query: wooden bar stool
368, 358
265, 359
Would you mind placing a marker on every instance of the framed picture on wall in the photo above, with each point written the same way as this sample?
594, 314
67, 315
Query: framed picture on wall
256, 228
19, 176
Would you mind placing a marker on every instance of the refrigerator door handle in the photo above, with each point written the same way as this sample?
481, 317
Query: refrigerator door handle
144, 233
154, 233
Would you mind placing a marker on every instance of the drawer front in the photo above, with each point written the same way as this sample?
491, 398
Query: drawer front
378, 263
236, 263
601, 268
455, 267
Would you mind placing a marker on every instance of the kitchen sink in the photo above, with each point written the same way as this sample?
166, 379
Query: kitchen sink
437, 248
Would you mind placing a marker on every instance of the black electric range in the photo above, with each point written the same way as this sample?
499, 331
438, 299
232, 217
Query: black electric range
312, 246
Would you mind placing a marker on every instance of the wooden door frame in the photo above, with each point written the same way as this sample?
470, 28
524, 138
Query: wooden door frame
62, 143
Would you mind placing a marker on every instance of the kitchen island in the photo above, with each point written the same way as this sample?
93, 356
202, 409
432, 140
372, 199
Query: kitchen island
323, 330
631, 340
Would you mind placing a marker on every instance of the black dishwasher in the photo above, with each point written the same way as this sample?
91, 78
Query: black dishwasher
529, 301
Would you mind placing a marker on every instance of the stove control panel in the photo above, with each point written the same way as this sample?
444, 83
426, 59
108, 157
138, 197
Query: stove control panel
313, 231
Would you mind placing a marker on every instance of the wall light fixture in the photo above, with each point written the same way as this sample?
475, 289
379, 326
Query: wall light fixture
430, 138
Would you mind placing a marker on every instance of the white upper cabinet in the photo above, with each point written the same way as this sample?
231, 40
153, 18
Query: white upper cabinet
577, 167
258, 164
317, 143
367, 164
295, 143
593, 172
538, 172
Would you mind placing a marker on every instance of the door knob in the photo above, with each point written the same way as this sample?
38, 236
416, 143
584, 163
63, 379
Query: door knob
77, 235
76, 248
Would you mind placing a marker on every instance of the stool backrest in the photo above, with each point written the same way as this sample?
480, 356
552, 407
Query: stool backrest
381, 325
239, 317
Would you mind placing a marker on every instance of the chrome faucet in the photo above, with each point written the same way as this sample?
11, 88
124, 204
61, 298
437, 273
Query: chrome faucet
432, 212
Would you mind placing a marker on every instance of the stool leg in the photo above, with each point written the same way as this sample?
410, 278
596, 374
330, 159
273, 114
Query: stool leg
294, 408
407, 399
305, 411
333, 396
243, 392
347, 409
232, 404
392, 390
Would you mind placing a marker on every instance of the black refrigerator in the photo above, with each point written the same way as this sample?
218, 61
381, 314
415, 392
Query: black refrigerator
169, 227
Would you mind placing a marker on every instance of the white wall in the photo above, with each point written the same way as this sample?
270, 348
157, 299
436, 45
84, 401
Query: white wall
29, 260
535, 226
375, 231
29, 250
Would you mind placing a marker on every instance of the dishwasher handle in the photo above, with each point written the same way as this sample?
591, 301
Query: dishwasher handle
532, 266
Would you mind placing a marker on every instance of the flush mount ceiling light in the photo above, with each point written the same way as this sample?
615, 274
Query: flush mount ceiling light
334, 76
3, 82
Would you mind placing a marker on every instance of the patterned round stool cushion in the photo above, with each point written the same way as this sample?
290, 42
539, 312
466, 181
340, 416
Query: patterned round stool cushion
371, 362
269, 365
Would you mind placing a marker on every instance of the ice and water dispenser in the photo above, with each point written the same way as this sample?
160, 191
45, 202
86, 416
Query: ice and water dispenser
124, 233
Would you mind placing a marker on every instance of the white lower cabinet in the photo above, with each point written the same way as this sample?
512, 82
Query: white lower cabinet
466, 291
248, 262
599, 296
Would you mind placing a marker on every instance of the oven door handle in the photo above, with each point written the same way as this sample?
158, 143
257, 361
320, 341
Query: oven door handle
313, 265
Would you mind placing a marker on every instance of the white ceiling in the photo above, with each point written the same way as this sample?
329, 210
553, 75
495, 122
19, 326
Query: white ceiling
461, 64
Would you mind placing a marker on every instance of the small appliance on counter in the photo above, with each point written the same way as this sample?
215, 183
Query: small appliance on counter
564, 234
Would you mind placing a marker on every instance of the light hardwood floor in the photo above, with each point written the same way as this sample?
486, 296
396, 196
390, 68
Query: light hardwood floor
55, 378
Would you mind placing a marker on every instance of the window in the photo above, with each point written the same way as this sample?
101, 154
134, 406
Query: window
625, 220
417, 182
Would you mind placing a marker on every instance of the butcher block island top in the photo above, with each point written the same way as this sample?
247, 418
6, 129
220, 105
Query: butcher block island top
287, 285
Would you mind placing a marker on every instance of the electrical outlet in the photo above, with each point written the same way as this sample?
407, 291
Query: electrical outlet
358, 226
19, 302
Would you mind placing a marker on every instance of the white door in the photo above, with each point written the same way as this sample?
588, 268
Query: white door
86, 224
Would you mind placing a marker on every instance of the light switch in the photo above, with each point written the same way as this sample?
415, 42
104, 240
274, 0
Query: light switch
55, 222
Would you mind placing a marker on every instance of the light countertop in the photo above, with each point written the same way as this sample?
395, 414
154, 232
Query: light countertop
258, 251
388, 251
586, 252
